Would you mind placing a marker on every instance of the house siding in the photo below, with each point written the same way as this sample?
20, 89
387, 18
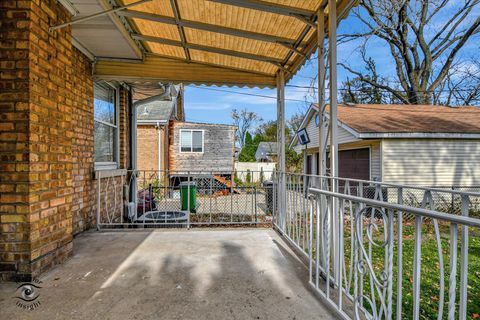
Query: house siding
344, 136
431, 162
219, 148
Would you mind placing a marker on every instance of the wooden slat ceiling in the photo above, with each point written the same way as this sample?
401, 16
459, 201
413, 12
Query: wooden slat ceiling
256, 37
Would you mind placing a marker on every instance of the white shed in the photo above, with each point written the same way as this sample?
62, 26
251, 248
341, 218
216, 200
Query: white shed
417, 145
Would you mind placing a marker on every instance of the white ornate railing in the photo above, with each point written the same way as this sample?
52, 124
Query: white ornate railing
371, 255
150, 198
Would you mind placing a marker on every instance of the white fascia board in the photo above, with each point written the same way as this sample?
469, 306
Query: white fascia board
82, 49
69, 6
152, 122
342, 125
419, 135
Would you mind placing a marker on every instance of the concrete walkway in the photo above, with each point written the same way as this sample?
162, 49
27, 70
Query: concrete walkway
196, 274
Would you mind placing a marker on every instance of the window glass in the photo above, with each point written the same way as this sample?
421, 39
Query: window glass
197, 141
186, 141
104, 103
105, 128
191, 141
104, 143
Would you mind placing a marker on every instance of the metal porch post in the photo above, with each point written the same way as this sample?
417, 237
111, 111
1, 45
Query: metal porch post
332, 50
322, 205
282, 203
321, 88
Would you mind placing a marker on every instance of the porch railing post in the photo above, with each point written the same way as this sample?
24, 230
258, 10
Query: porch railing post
332, 41
281, 145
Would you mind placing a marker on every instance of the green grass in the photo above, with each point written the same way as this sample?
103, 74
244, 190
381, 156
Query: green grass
430, 270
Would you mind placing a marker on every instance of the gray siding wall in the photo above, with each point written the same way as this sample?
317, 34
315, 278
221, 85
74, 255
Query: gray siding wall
218, 153
431, 162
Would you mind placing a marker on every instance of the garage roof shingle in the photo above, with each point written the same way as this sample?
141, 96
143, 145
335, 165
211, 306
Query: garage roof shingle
374, 118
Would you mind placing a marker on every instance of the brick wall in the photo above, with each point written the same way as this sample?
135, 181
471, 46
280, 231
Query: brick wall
124, 128
147, 148
47, 189
14, 152
82, 153
45, 101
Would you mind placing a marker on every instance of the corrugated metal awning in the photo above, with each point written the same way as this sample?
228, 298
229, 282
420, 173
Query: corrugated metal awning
222, 42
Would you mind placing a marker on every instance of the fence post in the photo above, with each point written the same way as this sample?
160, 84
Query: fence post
462, 314
452, 201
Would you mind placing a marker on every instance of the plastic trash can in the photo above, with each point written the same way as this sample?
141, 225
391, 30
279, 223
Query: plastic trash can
184, 195
269, 196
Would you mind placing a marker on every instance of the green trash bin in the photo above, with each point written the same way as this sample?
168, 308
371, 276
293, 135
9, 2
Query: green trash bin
184, 187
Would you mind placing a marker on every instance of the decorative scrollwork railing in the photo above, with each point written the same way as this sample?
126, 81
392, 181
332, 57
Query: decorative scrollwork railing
385, 251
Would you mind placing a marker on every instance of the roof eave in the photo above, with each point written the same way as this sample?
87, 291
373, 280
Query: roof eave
419, 135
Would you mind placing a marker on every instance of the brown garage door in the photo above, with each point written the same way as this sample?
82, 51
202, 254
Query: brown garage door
354, 164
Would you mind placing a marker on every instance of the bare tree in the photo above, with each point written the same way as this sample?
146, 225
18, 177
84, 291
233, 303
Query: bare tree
424, 38
461, 86
295, 121
243, 120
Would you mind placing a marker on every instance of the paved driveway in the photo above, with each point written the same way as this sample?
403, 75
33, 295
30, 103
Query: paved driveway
168, 274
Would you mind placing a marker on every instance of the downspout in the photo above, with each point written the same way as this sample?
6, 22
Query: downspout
159, 131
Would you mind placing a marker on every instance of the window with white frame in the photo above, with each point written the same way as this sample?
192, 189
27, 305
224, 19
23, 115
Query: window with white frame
105, 126
191, 141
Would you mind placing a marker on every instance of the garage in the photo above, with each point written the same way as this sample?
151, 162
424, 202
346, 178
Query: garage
353, 164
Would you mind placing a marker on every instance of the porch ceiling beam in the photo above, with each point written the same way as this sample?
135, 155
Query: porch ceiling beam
245, 55
181, 32
269, 7
207, 27
149, 54
177, 71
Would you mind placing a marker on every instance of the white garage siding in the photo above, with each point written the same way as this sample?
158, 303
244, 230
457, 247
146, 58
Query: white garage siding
313, 133
431, 162
375, 162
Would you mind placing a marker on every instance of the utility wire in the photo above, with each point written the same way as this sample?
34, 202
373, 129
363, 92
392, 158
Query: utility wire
246, 94
315, 89
375, 89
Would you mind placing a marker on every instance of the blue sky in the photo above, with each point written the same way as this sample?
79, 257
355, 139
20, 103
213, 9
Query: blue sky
214, 104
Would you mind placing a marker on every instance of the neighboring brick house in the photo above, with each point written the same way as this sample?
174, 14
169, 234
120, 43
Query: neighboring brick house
153, 117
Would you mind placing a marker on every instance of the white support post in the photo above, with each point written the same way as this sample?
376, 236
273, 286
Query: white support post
321, 88
282, 203
332, 50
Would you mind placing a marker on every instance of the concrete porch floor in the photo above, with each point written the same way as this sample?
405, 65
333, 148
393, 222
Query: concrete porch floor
168, 274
